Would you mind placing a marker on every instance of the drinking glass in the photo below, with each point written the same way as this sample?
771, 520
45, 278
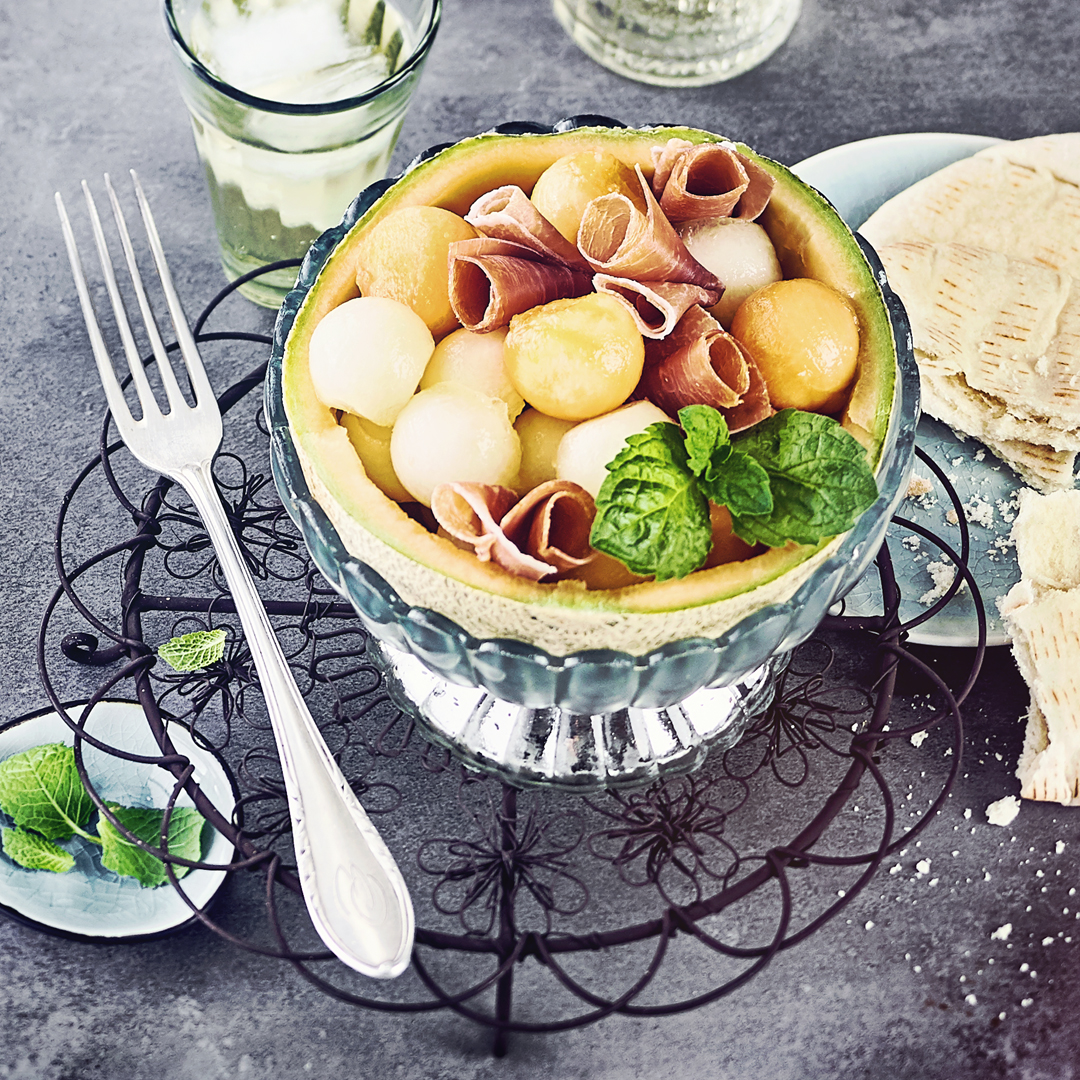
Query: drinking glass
678, 42
296, 106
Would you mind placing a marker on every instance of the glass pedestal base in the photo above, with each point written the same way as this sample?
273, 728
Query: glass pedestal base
551, 747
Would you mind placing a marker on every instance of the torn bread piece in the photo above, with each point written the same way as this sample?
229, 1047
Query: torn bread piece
997, 340
1042, 614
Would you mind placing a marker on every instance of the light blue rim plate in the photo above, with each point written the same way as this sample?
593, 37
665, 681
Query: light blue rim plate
90, 902
857, 178
600, 680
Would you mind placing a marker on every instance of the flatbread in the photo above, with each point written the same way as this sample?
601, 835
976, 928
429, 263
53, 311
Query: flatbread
1042, 614
985, 255
1018, 198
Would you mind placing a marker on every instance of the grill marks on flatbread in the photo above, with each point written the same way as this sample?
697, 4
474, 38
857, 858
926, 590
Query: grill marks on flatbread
986, 257
1019, 198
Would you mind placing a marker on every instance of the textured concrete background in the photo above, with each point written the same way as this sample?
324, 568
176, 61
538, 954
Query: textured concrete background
85, 87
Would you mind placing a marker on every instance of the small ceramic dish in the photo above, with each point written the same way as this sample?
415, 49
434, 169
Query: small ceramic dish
90, 902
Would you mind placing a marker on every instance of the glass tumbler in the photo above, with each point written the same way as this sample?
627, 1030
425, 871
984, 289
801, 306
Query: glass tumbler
296, 106
678, 42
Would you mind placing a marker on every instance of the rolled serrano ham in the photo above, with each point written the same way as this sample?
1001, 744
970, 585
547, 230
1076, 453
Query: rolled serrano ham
657, 306
507, 213
700, 363
538, 536
493, 280
706, 180
617, 238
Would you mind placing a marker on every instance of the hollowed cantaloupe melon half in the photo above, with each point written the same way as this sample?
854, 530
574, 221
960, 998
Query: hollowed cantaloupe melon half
564, 617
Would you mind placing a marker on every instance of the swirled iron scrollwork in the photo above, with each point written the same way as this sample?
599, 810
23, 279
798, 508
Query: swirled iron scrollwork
498, 877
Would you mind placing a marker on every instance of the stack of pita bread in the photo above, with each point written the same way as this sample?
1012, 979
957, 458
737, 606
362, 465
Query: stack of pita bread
985, 255
1042, 614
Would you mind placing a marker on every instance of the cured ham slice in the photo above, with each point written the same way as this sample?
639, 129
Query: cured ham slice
493, 280
507, 213
706, 180
617, 238
657, 306
700, 363
553, 522
535, 537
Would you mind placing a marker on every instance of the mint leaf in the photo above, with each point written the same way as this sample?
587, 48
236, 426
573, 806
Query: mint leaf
705, 432
35, 852
726, 476
129, 860
819, 477
741, 485
194, 651
41, 790
650, 514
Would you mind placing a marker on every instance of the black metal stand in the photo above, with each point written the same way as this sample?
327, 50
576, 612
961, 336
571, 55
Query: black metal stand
518, 885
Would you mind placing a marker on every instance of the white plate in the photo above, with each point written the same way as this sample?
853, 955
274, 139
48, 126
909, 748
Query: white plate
857, 178
90, 901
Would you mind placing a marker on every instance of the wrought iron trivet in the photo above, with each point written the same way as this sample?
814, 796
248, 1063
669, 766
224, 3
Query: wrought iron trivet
578, 898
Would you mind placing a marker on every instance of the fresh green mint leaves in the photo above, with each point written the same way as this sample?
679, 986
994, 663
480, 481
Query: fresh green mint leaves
650, 513
40, 790
194, 651
818, 474
795, 476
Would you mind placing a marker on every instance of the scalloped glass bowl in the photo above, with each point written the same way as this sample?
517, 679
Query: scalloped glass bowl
595, 681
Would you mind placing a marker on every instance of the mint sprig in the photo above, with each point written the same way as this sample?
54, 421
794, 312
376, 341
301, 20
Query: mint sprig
41, 791
650, 514
819, 476
194, 651
796, 476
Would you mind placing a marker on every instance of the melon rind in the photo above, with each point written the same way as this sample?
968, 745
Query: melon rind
486, 602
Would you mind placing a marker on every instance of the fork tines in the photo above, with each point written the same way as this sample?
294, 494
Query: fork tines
199, 382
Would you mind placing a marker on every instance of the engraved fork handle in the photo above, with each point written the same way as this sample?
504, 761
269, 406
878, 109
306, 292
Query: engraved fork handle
353, 888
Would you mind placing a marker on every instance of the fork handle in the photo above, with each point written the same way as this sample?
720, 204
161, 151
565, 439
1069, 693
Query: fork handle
354, 890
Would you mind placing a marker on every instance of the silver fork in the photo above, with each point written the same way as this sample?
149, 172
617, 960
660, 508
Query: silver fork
354, 890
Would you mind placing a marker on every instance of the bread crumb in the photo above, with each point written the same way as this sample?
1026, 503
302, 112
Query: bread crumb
912, 543
980, 512
1004, 811
922, 867
1002, 932
941, 573
971, 999
1059, 848
952, 517
918, 485
919, 738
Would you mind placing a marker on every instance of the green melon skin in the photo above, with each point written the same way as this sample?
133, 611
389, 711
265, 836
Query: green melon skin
564, 617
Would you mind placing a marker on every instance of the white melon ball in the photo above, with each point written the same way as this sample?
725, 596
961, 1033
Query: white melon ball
739, 253
453, 433
585, 450
474, 360
366, 356
540, 437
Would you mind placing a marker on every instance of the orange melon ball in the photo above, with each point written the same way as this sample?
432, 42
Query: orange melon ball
577, 358
372, 445
805, 338
566, 187
404, 257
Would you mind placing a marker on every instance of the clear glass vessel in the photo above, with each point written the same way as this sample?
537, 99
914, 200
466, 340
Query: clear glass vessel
519, 702
295, 105
678, 42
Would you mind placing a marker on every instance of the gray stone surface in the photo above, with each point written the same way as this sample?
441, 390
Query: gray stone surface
880, 991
